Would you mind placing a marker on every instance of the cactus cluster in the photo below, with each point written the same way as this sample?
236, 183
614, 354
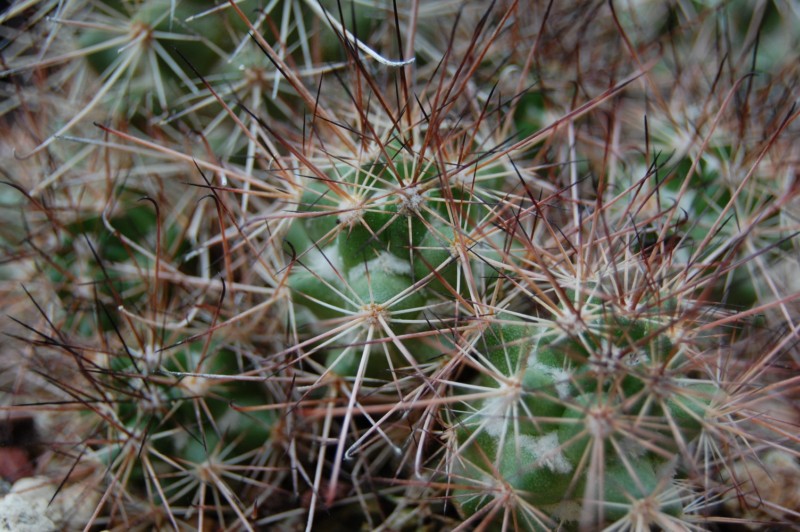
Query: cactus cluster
585, 417
502, 266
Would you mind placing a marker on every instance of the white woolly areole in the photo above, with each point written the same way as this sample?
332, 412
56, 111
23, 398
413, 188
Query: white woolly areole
571, 323
544, 452
496, 409
561, 376
351, 212
411, 200
635, 358
597, 424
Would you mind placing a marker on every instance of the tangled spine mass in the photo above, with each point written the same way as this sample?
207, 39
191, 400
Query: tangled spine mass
277, 274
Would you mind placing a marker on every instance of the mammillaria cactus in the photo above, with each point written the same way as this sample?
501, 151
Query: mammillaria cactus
414, 266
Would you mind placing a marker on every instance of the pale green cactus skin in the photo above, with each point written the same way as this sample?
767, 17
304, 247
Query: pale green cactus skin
573, 419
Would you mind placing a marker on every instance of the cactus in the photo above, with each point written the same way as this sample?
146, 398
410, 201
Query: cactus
297, 264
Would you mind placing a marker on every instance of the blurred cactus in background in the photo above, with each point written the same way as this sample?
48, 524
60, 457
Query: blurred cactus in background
305, 264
